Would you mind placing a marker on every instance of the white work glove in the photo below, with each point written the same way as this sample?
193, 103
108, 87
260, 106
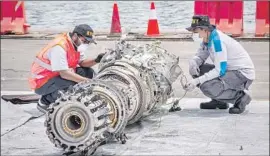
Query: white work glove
191, 85
194, 69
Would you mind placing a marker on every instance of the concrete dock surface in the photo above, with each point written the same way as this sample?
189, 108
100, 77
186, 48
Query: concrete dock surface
18, 54
188, 132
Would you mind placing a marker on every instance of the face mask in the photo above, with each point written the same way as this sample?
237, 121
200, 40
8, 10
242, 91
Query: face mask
83, 47
196, 38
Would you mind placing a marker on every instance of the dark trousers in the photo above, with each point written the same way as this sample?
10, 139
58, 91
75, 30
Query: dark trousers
49, 91
228, 88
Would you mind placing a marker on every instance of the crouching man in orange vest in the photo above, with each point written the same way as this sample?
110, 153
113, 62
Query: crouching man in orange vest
62, 63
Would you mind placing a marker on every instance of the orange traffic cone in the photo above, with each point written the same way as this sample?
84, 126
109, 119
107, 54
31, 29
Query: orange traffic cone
153, 28
13, 20
115, 26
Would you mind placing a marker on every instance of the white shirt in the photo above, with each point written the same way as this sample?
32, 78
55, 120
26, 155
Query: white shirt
58, 57
226, 54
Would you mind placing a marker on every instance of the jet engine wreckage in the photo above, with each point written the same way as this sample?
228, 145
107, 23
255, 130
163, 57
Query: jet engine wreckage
131, 82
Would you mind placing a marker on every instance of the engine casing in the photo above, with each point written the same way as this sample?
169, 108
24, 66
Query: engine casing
130, 83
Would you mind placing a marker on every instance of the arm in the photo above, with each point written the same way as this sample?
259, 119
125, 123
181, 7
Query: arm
59, 63
69, 75
85, 62
88, 63
201, 55
220, 61
199, 58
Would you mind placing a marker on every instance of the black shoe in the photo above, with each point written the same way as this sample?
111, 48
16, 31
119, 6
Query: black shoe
240, 105
42, 105
214, 104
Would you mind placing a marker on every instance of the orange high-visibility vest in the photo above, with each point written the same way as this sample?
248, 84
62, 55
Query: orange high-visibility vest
41, 67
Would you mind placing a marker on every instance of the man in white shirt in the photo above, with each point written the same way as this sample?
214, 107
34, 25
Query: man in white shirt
61, 64
232, 73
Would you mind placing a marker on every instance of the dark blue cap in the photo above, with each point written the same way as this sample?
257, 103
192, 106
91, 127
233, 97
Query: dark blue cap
86, 31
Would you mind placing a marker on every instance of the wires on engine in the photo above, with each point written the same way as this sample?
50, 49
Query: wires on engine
183, 82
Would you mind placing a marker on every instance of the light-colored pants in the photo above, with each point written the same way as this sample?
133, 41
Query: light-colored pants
228, 88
